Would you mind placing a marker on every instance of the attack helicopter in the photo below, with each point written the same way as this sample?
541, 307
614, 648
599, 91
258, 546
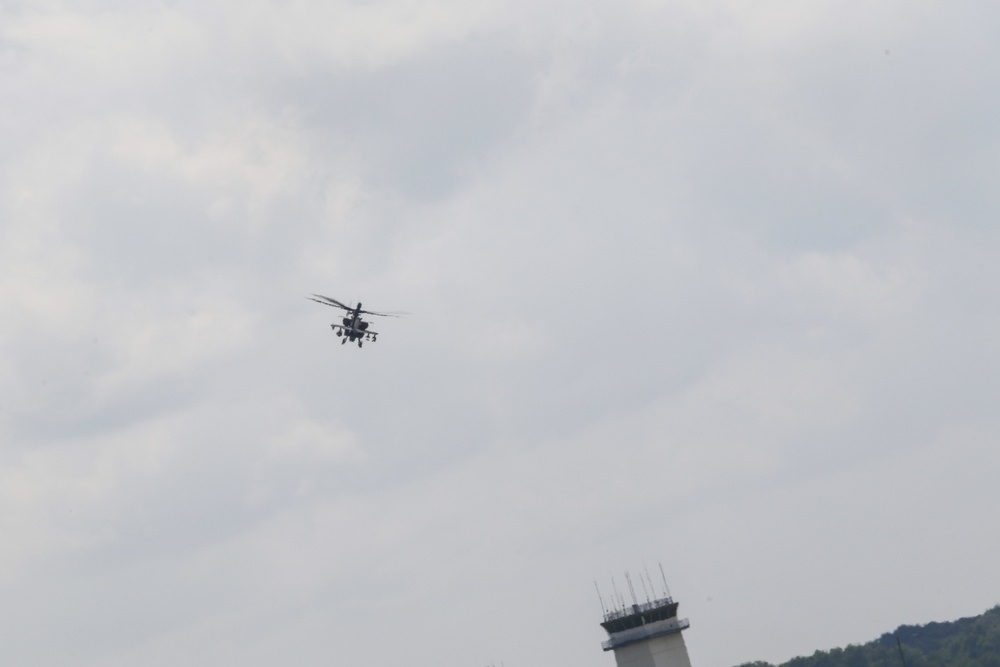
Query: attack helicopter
353, 327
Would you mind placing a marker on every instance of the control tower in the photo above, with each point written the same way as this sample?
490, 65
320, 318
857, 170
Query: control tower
647, 635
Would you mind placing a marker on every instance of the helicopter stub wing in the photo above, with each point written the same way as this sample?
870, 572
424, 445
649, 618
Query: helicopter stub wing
357, 332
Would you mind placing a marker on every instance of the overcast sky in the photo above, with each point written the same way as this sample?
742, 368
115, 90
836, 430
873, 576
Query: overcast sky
706, 284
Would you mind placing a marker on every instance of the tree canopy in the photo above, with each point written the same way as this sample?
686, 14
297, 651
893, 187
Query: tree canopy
967, 642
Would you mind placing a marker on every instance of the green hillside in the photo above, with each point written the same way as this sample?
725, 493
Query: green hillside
967, 642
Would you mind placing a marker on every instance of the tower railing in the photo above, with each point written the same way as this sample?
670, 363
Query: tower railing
637, 609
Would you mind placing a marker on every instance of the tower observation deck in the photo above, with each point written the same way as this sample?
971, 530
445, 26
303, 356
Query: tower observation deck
647, 635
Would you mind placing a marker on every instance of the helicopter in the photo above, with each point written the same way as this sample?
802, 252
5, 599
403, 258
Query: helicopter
354, 327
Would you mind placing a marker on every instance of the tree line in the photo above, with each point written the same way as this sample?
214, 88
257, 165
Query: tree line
967, 642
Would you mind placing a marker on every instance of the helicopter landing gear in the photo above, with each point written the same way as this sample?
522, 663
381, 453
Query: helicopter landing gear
359, 342
344, 340
339, 332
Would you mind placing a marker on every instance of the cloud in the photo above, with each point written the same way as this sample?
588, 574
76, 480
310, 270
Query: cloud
702, 283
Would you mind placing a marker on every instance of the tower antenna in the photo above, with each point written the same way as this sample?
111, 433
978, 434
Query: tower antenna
644, 589
601, 598
630, 588
666, 589
618, 595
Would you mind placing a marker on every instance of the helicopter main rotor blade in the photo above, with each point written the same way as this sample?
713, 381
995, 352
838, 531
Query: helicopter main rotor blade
396, 314
327, 301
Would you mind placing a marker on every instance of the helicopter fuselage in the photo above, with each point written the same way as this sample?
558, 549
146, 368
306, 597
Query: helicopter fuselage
354, 328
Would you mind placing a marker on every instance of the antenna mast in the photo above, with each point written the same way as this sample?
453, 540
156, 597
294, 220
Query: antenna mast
630, 588
644, 589
666, 589
601, 598
618, 595
649, 579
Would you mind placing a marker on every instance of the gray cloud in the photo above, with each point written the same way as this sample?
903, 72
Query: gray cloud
704, 284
